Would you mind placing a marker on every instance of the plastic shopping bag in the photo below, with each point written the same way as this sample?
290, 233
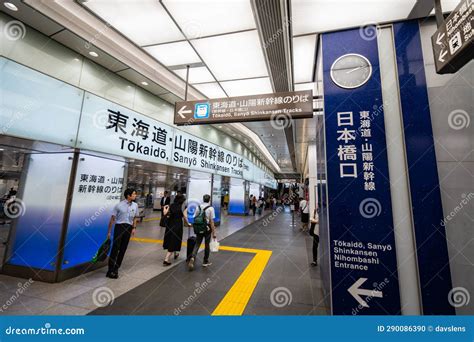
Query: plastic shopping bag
214, 245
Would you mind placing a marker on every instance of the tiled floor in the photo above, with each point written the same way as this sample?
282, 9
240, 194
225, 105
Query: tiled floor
288, 285
80, 295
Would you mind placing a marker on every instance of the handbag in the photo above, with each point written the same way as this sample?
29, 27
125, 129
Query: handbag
214, 245
164, 218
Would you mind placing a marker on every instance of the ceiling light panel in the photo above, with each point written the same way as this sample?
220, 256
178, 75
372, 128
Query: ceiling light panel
328, 15
233, 56
253, 86
196, 75
145, 22
305, 86
303, 58
201, 18
211, 90
174, 53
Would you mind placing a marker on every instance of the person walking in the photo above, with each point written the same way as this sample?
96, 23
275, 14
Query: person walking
125, 217
174, 228
204, 229
304, 208
254, 205
314, 232
260, 205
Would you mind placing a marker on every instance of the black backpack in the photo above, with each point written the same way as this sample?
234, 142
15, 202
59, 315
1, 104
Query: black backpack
200, 222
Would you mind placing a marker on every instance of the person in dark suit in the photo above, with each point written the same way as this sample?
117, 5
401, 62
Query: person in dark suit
165, 200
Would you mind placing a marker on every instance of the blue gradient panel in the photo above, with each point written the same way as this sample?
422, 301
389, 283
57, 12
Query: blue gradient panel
36, 235
359, 230
236, 207
91, 208
431, 246
37, 238
84, 236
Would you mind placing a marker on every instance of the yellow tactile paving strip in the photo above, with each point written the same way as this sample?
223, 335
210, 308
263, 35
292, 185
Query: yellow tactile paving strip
236, 299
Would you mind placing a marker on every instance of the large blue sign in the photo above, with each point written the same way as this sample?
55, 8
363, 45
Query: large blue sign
364, 279
431, 245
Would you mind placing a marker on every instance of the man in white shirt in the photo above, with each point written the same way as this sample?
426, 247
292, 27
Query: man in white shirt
207, 210
304, 207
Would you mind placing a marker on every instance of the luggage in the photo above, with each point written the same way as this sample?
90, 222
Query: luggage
190, 246
102, 252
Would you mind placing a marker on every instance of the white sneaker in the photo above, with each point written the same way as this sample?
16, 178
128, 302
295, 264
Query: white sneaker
191, 264
206, 264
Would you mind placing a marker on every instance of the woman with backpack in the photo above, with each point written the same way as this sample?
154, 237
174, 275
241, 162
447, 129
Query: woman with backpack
174, 228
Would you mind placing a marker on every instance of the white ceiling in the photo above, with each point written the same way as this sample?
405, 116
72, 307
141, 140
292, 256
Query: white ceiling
222, 41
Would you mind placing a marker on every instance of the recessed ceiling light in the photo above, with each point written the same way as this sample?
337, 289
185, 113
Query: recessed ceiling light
10, 6
233, 134
93, 54
76, 59
144, 83
220, 126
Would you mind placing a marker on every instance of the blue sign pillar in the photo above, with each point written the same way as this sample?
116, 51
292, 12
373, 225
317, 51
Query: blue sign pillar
364, 279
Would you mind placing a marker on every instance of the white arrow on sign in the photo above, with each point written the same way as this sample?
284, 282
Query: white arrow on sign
356, 292
438, 39
441, 56
182, 111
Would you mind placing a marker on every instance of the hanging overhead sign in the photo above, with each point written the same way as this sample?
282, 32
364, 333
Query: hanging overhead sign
452, 42
276, 106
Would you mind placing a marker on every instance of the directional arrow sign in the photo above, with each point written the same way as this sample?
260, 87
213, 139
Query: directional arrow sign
452, 42
441, 55
357, 292
263, 107
438, 39
182, 111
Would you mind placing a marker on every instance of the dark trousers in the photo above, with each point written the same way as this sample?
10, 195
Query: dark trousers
315, 248
207, 240
122, 233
